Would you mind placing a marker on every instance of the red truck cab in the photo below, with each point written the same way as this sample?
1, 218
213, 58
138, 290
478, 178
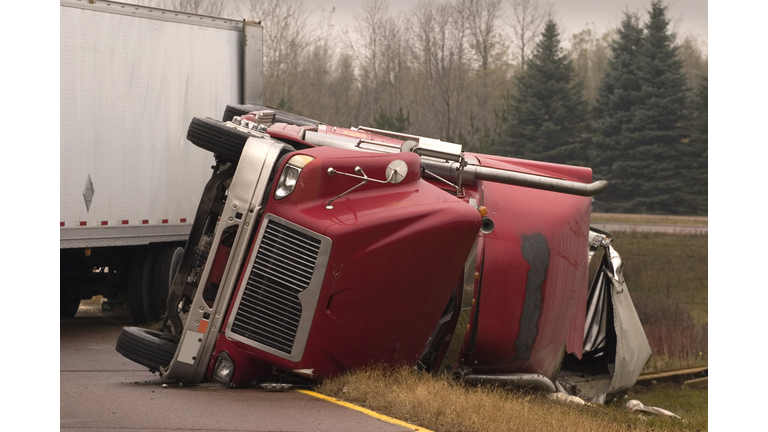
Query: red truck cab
319, 249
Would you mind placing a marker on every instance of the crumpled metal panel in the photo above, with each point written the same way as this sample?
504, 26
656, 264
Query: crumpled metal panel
609, 290
595, 330
632, 348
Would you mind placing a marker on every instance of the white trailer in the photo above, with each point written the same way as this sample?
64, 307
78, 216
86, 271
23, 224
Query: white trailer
132, 77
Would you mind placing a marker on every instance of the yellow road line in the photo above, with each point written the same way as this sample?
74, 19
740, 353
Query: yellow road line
365, 411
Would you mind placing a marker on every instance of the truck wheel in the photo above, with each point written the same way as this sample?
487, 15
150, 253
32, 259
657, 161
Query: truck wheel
212, 135
280, 116
146, 347
69, 304
168, 262
140, 300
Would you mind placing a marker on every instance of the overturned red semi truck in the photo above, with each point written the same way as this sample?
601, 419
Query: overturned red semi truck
318, 249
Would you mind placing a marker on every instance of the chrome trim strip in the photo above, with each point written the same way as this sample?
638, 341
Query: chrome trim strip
122, 235
243, 197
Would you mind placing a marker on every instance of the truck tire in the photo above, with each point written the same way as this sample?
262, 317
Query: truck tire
140, 300
166, 266
225, 142
280, 116
146, 347
69, 304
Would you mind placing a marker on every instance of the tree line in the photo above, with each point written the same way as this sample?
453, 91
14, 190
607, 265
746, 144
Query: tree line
496, 77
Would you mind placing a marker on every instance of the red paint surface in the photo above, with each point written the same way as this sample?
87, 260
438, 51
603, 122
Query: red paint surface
398, 250
398, 253
563, 220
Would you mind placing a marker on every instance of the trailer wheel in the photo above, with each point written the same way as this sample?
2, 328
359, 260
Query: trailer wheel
166, 266
146, 347
140, 301
280, 116
224, 141
69, 304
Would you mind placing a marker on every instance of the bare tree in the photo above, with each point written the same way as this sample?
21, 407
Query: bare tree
693, 53
369, 28
341, 107
395, 66
439, 50
316, 72
526, 19
589, 52
286, 40
481, 18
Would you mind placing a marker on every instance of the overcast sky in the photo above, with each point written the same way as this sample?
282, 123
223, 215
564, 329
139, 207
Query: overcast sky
688, 16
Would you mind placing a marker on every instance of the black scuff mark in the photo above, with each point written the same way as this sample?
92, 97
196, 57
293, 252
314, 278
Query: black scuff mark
536, 253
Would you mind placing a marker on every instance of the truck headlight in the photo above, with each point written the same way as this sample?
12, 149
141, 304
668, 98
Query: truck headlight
224, 369
290, 175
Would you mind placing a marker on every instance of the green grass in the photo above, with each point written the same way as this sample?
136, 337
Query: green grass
650, 219
667, 267
689, 402
667, 276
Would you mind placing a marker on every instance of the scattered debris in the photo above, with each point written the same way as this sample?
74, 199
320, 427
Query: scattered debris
271, 386
637, 406
564, 397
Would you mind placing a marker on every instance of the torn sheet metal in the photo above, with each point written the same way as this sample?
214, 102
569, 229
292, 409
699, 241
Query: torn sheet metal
632, 348
615, 346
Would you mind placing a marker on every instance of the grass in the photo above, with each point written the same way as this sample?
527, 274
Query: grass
440, 403
650, 219
666, 268
667, 277
689, 402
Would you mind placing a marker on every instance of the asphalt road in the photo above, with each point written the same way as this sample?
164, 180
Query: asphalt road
613, 227
101, 390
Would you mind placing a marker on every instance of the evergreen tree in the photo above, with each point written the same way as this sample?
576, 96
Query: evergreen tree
642, 135
695, 154
396, 123
618, 99
545, 118
661, 120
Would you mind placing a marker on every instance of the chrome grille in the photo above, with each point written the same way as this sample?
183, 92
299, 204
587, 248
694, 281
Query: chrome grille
270, 311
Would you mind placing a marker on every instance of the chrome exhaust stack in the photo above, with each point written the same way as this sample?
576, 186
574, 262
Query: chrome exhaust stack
447, 162
530, 380
468, 174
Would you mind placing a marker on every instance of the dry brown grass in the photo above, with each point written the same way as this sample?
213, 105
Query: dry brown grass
667, 276
441, 404
676, 339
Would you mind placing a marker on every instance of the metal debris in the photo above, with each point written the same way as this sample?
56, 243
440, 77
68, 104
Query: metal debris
637, 406
564, 397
